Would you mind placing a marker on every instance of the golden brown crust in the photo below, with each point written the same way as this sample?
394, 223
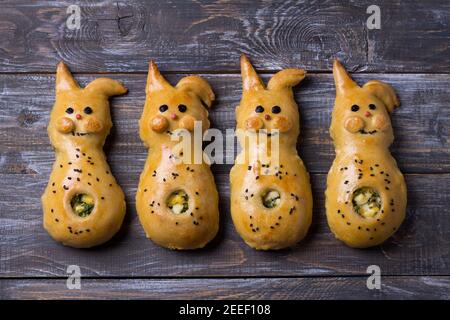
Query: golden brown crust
250, 180
80, 166
362, 132
167, 169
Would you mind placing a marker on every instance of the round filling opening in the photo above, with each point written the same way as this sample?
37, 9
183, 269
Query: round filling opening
178, 202
271, 199
366, 202
82, 204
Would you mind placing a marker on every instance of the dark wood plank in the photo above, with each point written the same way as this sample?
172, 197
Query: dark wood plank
429, 287
210, 35
420, 247
421, 124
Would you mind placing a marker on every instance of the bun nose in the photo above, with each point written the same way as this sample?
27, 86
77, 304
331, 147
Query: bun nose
78, 116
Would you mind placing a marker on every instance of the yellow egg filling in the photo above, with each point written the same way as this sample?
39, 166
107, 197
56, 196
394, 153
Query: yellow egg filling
366, 202
271, 199
178, 202
82, 204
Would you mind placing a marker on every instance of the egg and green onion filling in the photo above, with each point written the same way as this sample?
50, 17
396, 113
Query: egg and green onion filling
82, 204
366, 202
178, 202
271, 199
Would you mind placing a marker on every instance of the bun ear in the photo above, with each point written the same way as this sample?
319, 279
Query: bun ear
106, 86
155, 81
64, 79
287, 78
342, 80
250, 79
384, 92
199, 86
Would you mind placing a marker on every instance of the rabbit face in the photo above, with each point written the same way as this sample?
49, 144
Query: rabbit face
265, 110
172, 109
361, 113
81, 115
271, 108
169, 108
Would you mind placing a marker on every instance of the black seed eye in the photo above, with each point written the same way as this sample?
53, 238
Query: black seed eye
88, 110
372, 106
276, 109
182, 108
69, 110
259, 109
163, 108
355, 108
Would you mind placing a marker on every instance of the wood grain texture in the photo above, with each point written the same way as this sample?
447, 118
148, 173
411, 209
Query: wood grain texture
210, 35
421, 128
411, 52
350, 288
420, 247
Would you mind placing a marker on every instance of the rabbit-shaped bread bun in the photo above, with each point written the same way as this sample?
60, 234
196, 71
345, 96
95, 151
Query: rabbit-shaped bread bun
83, 204
177, 200
271, 204
366, 192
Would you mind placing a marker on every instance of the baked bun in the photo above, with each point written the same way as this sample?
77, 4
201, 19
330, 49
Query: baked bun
83, 204
177, 200
271, 201
366, 192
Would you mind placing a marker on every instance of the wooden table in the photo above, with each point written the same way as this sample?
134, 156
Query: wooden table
117, 39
